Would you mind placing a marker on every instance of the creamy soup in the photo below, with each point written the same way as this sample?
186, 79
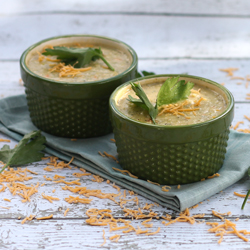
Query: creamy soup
49, 67
203, 104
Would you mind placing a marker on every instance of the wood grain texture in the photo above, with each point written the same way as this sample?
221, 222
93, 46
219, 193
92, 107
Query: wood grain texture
167, 7
63, 232
191, 37
174, 37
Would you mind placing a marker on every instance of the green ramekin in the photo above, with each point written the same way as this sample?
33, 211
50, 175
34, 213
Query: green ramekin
172, 155
74, 110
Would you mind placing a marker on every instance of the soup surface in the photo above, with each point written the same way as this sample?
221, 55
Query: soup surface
50, 67
202, 104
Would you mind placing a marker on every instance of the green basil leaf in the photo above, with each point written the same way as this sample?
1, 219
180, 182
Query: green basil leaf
79, 57
153, 111
28, 150
173, 91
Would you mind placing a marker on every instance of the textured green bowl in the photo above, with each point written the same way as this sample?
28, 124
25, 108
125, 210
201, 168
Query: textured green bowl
75, 110
172, 154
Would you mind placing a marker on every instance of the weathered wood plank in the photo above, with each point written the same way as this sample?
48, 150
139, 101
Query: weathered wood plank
175, 37
10, 73
170, 37
75, 234
223, 201
212, 7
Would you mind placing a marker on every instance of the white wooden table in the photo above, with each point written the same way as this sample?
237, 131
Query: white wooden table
194, 37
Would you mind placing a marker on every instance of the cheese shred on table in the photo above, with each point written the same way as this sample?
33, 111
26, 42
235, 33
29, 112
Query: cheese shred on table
29, 218
45, 217
240, 195
104, 217
228, 227
103, 235
4, 140
66, 211
50, 198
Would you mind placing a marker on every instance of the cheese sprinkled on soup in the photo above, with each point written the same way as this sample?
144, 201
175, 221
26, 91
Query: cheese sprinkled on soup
202, 104
52, 68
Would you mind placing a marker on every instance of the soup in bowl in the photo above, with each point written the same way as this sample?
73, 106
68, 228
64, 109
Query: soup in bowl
184, 142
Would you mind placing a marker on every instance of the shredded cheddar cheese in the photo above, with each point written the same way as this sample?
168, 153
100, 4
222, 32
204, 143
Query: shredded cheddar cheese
31, 217
75, 182
247, 131
97, 179
146, 224
110, 156
66, 211
179, 108
67, 70
214, 175
81, 174
165, 188
103, 235
4, 140
152, 233
77, 199
237, 124
45, 217
153, 183
248, 118
116, 187
47, 178
50, 198
229, 71
237, 78
100, 153
240, 195
125, 171
115, 237
56, 177
227, 227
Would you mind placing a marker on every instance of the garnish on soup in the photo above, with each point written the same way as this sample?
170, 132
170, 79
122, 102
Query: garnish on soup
173, 102
171, 91
78, 63
79, 57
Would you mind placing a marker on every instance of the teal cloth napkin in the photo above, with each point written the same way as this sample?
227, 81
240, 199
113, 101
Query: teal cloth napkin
15, 122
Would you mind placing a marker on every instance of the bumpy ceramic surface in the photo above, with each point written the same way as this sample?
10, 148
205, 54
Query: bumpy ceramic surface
81, 118
171, 163
171, 155
78, 110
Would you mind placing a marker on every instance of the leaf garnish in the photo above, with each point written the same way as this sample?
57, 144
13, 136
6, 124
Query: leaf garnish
248, 193
144, 73
138, 102
26, 151
79, 57
143, 101
173, 91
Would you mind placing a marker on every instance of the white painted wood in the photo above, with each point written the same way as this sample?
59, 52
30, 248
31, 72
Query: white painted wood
151, 36
72, 230
11, 85
212, 7
42, 207
75, 234
170, 37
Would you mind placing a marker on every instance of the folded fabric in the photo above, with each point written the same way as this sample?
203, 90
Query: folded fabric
15, 122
